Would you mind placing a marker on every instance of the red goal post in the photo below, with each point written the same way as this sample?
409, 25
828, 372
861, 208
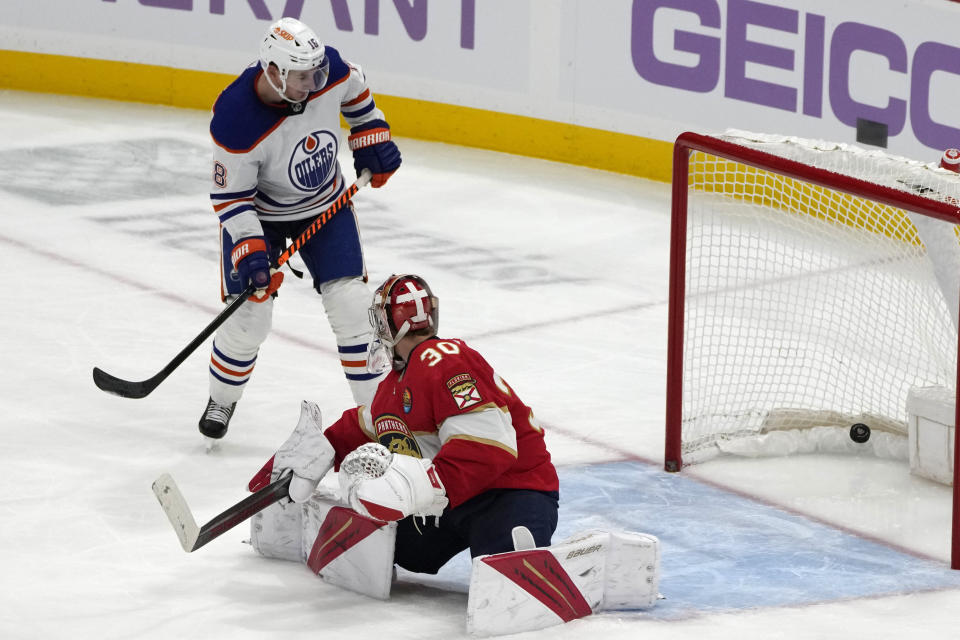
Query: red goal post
791, 261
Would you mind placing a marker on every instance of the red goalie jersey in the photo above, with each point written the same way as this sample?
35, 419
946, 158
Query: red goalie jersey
449, 405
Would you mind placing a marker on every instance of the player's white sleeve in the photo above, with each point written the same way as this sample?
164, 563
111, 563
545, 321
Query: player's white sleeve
235, 179
489, 425
358, 105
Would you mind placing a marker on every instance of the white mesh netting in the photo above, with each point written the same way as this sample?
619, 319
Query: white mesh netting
806, 307
370, 460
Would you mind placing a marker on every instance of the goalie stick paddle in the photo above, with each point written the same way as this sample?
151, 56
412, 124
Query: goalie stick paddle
142, 388
193, 537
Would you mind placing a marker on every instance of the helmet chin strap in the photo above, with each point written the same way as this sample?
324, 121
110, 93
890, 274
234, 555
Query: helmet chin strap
282, 89
402, 332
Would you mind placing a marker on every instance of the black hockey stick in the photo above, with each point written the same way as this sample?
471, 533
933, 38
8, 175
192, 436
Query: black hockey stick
142, 388
193, 537
132, 389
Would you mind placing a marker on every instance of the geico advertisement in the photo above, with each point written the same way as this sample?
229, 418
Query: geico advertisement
645, 67
805, 68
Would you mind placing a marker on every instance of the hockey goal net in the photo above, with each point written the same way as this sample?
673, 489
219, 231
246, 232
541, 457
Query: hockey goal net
812, 285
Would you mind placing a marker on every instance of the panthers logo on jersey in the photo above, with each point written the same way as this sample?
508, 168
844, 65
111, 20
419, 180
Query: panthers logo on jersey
395, 435
313, 161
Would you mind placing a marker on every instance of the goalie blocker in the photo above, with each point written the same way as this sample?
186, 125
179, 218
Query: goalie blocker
522, 590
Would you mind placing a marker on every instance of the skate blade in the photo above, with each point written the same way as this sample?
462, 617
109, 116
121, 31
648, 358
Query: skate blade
210, 445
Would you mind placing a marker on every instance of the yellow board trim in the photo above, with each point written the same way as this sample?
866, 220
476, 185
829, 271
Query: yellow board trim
110, 79
465, 126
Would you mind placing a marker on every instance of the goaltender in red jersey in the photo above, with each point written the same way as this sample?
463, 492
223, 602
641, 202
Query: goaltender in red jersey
446, 458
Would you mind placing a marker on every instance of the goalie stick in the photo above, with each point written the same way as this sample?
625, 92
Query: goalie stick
193, 537
142, 388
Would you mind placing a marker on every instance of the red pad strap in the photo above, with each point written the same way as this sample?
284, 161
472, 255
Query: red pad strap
245, 248
382, 512
368, 138
341, 529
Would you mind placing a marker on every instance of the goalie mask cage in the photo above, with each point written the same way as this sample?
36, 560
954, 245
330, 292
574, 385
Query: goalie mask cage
812, 284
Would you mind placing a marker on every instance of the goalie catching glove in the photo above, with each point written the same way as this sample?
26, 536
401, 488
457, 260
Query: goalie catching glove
249, 259
307, 454
374, 149
390, 486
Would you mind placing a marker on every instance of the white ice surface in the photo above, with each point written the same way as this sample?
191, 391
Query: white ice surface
557, 274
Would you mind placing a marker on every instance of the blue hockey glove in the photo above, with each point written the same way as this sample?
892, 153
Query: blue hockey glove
249, 258
374, 149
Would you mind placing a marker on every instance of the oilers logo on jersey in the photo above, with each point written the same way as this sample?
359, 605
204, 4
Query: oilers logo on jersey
313, 161
395, 435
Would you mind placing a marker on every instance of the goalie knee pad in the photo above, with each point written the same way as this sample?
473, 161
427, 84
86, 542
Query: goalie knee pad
276, 532
538, 588
347, 549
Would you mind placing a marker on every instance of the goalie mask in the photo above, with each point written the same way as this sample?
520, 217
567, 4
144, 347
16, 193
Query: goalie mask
402, 304
297, 53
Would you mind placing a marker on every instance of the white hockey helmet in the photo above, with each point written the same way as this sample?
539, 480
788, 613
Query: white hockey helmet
291, 45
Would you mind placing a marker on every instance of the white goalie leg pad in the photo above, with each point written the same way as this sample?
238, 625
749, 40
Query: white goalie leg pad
538, 588
347, 549
276, 531
632, 576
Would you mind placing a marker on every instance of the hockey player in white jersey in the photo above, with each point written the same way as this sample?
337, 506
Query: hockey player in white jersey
276, 136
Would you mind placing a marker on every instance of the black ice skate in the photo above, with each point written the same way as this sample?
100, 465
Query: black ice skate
215, 419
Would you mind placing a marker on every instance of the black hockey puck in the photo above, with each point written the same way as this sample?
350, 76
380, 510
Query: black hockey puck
860, 433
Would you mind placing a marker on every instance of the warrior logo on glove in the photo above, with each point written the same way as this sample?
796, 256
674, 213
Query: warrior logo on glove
374, 150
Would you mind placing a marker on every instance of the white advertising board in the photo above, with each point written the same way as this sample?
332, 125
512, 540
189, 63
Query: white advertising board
649, 68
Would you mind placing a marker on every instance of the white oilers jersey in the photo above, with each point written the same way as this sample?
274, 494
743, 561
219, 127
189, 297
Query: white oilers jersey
279, 162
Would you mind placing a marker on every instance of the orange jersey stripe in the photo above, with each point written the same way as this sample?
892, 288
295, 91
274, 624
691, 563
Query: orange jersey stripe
219, 207
360, 98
